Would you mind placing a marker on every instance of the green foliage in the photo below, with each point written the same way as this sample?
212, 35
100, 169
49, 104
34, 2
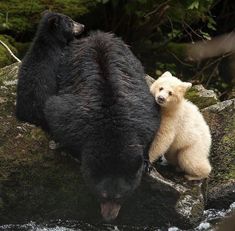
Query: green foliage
157, 30
162, 67
22, 16
149, 16
194, 5
175, 33
211, 23
18, 15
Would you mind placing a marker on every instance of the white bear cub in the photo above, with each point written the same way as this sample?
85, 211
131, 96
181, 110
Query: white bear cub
184, 137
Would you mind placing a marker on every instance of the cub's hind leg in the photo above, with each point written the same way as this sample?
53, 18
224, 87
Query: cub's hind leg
194, 162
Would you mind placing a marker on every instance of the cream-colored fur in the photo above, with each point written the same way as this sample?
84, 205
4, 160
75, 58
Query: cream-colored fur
184, 137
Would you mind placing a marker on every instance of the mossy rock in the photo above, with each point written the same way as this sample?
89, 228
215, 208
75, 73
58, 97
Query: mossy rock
39, 183
201, 96
34, 179
24, 16
221, 120
5, 57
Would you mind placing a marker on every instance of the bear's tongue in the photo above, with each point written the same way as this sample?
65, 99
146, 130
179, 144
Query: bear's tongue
109, 210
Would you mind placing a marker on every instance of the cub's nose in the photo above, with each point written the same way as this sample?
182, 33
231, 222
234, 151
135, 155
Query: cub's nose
161, 99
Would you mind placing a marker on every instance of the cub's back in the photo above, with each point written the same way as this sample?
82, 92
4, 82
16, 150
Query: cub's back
192, 126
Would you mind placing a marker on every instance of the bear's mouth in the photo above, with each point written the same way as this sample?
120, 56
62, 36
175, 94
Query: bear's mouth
160, 102
109, 210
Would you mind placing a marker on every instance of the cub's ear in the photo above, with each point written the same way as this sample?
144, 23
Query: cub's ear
166, 74
153, 87
184, 86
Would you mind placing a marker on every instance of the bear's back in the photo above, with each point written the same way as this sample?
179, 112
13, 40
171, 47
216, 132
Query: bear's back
111, 81
105, 96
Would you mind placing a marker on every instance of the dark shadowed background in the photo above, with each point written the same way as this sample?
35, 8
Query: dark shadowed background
163, 34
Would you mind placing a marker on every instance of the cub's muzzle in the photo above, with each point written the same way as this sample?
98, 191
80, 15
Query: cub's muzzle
161, 99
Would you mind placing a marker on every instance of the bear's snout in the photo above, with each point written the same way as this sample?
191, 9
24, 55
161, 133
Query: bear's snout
78, 28
161, 99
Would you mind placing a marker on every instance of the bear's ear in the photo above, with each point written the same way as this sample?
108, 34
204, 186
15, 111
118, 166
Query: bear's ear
184, 86
53, 20
45, 12
166, 74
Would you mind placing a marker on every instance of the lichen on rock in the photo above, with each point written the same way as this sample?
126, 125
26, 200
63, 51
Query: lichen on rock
201, 96
221, 185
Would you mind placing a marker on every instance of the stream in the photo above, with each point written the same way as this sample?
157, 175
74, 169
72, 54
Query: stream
211, 217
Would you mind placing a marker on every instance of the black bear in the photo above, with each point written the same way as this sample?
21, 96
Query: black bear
37, 74
98, 107
105, 115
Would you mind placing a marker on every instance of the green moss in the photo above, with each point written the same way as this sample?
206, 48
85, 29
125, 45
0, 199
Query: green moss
228, 141
25, 15
38, 182
5, 57
201, 101
222, 124
9, 73
35, 180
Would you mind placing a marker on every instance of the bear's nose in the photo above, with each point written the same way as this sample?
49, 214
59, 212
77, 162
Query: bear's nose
78, 28
161, 99
104, 194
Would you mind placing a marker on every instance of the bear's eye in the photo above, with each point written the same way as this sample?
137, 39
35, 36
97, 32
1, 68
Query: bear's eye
170, 93
161, 88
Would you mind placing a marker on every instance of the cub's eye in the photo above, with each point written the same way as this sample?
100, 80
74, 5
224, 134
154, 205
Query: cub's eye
170, 93
161, 88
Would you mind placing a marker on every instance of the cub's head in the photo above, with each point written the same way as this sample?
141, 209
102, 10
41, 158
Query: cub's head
169, 90
60, 26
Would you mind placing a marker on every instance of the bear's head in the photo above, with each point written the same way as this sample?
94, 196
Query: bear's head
112, 174
60, 27
169, 90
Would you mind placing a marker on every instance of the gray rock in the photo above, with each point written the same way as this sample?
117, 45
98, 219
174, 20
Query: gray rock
39, 183
220, 189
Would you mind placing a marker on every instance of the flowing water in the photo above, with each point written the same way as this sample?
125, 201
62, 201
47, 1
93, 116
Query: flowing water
210, 219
